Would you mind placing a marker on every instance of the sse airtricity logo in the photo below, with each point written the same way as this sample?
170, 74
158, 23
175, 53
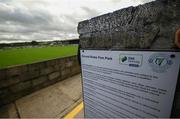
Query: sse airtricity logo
131, 60
123, 59
160, 62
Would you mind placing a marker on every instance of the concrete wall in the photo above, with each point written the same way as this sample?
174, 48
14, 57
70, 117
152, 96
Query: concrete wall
19, 81
149, 26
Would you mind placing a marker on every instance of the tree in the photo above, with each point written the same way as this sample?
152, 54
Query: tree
34, 42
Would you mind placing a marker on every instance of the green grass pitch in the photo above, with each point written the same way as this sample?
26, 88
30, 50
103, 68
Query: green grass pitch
11, 57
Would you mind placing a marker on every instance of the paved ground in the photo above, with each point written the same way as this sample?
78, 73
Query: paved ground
54, 101
80, 114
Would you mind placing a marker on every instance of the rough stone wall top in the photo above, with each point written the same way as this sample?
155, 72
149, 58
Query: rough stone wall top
151, 25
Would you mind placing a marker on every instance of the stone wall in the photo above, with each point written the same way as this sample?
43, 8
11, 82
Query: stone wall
149, 26
19, 81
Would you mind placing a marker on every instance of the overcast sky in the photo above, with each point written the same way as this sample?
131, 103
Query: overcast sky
27, 20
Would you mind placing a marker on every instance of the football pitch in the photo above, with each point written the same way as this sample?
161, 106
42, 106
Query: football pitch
14, 56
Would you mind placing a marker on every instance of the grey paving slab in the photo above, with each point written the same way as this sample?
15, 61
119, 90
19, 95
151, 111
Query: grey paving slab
51, 101
80, 115
8, 111
72, 87
68, 110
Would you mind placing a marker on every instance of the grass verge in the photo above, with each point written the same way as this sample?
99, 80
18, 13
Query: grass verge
14, 56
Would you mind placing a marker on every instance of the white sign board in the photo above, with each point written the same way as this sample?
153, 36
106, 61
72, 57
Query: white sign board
139, 84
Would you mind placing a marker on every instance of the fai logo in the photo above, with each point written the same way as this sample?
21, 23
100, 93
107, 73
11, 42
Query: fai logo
160, 62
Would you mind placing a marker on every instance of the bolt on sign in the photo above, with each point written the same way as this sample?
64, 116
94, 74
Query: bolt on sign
126, 84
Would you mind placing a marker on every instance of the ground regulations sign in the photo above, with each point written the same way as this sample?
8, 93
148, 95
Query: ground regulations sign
129, 83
